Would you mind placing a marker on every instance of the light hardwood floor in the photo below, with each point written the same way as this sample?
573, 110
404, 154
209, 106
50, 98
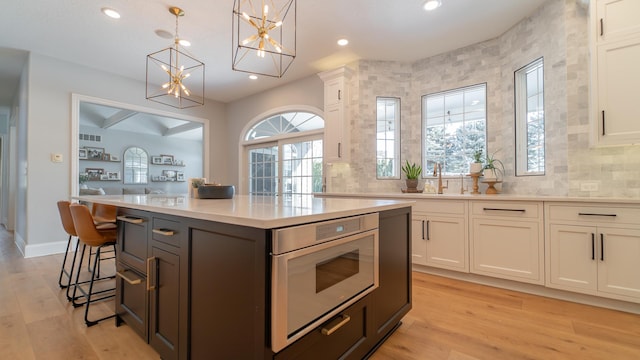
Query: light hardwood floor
450, 319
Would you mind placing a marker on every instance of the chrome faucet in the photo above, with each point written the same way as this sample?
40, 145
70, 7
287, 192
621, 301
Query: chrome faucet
440, 186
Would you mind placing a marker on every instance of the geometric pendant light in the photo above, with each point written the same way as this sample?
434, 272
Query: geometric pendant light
264, 36
175, 78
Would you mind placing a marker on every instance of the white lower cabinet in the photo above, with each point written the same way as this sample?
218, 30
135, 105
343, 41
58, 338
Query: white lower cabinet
594, 249
506, 240
439, 238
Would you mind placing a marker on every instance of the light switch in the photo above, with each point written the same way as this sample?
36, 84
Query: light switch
56, 158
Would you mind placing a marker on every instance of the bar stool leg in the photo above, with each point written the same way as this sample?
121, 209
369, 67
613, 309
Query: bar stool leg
96, 265
63, 271
77, 283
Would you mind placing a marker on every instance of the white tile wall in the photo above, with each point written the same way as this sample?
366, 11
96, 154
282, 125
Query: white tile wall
558, 32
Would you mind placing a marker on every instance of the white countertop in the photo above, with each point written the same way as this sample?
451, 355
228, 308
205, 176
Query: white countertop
483, 197
255, 211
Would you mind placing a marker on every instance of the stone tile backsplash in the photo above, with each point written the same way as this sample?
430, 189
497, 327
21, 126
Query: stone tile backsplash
557, 31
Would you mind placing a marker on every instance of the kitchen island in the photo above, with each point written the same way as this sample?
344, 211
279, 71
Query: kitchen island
195, 276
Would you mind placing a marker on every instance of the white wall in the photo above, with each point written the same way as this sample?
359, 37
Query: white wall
51, 84
308, 91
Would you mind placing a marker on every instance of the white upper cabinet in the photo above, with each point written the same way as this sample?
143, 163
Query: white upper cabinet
615, 49
336, 115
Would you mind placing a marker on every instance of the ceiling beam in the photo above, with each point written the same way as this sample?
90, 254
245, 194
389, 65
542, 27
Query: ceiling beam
117, 118
182, 128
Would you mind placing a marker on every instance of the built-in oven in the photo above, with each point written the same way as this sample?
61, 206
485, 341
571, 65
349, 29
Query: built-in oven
318, 270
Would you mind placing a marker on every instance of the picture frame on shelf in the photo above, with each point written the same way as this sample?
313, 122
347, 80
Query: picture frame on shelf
179, 176
170, 175
82, 154
94, 153
104, 177
167, 159
94, 173
156, 160
162, 178
115, 158
106, 157
113, 175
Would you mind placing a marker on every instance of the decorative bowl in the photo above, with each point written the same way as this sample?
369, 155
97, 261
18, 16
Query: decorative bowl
216, 191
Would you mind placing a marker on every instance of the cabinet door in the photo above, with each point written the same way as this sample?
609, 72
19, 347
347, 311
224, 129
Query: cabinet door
617, 18
618, 79
418, 240
334, 142
164, 280
334, 91
507, 249
572, 258
446, 243
619, 261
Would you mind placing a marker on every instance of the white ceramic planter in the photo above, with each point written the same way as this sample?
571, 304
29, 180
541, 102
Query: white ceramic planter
475, 168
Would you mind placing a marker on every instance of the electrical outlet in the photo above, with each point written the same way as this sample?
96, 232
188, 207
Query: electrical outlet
589, 186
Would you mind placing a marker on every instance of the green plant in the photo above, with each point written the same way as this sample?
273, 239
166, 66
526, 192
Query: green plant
83, 178
411, 171
477, 156
196, 182
491, 163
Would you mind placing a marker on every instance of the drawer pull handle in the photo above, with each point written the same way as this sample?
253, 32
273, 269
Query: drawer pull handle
596, 214
149, 286
127, 279
496, 209
601, 247
131, 220
165, 232
327, 332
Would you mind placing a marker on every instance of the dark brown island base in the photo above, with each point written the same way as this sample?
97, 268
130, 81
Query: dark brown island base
254, 278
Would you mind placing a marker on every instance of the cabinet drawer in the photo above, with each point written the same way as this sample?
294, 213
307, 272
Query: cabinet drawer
516, 209
131, 299
440, 206
594, 213
132, 240
167, 231
338, 338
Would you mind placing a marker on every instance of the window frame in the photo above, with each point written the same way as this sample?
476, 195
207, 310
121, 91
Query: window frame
429, 165
520, 104
397, 138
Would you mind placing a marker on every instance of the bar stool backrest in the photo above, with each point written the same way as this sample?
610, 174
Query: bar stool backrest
86, 229
65, 216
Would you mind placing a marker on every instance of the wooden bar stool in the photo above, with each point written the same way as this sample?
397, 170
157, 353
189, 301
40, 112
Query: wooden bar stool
89, 235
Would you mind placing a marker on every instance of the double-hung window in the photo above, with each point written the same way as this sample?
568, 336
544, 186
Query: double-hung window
388, 138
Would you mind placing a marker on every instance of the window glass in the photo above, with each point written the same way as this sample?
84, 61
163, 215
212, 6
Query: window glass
387, 138
529, 107
453, 128
289, 165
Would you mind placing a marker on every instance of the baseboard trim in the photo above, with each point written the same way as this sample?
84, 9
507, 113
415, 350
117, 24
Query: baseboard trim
539, 290
35, 250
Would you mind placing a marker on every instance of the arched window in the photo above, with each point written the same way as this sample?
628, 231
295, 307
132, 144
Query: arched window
284, 154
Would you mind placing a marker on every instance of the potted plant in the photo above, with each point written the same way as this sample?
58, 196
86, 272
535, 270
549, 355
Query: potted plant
476, 166
412, 172
493, 168
195, 184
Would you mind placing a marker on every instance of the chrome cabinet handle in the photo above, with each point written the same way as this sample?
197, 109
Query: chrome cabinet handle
149, 286
131, 220
127, 279
327, 332
165, 232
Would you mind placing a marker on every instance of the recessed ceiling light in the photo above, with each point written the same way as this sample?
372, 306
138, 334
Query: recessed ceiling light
253, 77
343, 42
432, 4
111, 13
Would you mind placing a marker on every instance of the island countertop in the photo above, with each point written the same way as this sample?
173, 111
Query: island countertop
255, 211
